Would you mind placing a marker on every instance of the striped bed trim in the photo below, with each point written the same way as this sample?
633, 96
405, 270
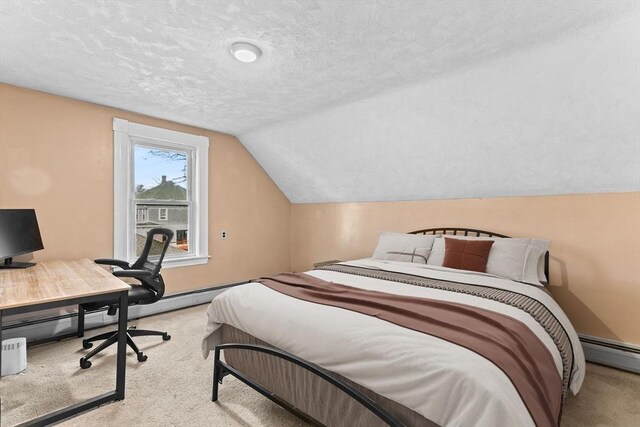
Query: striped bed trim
533, 307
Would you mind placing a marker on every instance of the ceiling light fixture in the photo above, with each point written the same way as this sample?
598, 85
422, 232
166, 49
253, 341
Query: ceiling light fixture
245, 52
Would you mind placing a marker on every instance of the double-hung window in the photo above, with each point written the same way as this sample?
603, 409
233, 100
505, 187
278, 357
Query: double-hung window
163, 214
160, 180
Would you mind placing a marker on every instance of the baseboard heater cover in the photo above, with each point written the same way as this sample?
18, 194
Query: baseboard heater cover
42, 330
611, 353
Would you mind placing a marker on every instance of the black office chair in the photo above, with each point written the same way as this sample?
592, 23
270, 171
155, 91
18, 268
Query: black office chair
150, 290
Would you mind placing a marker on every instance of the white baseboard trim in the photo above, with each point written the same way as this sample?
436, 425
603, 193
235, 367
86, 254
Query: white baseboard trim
44, 329
611, 353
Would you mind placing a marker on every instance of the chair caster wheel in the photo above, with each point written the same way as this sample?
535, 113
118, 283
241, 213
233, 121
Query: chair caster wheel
166, 337
142, 357
85, 364
86, 344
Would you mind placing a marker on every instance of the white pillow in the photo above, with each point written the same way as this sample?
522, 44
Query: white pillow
515, 259
437, 252
518, 259
543, 245
404, 247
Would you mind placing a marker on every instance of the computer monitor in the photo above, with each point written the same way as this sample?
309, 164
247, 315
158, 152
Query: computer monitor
19, 234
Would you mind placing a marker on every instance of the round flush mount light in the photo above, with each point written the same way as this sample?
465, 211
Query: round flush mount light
245, 52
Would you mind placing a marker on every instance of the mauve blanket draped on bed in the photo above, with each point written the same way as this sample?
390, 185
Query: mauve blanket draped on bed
506, 342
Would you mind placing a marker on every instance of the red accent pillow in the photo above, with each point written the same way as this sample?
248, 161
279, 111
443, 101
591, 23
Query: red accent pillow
471, 255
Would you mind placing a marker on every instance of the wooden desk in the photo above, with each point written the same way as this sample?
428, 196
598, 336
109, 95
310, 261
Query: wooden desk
52, 284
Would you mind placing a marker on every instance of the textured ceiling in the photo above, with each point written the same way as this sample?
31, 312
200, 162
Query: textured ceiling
558, 118
168, 58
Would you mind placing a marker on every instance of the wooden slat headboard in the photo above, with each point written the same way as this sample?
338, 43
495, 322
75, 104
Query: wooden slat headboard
459, 231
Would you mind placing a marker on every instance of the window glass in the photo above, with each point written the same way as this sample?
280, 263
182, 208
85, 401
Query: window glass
177, 220
160, 174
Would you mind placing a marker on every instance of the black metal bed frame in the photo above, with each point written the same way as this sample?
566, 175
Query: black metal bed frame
221, 369
454, 231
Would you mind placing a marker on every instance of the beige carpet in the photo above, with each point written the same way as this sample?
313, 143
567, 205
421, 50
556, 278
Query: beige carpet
173, 388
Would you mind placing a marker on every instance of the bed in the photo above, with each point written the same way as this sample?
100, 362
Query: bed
337, 366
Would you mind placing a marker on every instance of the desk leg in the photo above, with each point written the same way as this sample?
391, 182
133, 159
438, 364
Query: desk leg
121, 366
80, 333
0, 343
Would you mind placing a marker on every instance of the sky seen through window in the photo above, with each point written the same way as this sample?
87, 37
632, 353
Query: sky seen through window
150, 167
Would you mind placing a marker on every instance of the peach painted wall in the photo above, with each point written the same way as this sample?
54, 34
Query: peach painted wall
56, 155
595, 250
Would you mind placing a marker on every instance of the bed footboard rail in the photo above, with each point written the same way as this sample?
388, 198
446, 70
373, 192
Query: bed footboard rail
221, 369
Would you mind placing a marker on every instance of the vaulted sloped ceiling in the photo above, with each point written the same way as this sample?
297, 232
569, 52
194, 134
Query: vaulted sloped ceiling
558, 118
361, 100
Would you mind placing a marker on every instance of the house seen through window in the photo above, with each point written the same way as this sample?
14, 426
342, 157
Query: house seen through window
162, 198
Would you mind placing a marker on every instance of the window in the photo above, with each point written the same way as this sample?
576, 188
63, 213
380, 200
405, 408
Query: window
142, 214
160, 180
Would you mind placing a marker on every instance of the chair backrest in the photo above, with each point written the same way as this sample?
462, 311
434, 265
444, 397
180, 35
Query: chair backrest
157, 243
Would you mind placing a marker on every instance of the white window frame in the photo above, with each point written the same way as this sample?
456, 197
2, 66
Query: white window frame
125, 136
164, 217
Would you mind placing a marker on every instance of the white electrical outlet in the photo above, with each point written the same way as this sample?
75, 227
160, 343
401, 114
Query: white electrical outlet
224, 235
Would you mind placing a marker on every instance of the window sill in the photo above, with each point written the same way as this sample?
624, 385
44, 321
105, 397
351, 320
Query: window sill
185, 261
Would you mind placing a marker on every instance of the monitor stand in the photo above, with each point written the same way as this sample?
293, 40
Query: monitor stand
8, 263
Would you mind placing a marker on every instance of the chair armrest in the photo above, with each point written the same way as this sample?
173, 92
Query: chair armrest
136, 274
109, 261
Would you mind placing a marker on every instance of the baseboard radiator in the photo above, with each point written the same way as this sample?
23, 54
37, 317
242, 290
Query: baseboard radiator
611, 353
44, 329
598, 350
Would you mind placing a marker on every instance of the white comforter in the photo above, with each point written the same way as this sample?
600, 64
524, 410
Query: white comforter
448, 384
